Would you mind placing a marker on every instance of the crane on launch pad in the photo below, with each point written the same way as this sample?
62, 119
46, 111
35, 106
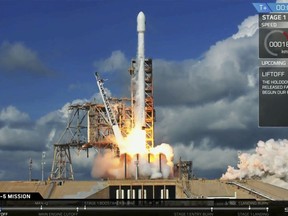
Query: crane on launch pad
111, 117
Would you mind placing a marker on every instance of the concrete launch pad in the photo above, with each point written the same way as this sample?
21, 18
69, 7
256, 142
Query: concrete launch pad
149, 189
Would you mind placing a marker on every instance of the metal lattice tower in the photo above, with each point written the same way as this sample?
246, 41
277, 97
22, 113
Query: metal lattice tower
88, 127
62, 163
185, 174
149, 100
149, 104
74, 136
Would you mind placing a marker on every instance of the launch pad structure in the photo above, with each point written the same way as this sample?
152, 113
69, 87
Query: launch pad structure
103, 126
88, 126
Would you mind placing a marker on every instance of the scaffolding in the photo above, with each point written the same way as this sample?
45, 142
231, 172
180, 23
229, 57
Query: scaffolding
88, 127
72, 137
185, 174
62, 164
149, 101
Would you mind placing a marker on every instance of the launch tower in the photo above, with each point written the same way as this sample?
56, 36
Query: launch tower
89, 125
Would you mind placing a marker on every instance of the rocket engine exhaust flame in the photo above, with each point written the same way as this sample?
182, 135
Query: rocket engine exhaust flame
148, 163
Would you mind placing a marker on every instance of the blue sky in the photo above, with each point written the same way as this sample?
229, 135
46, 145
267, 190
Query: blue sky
68, 36
205, 63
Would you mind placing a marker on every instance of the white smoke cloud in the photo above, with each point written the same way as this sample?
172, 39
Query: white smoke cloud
275, 181
269, 161
106, 165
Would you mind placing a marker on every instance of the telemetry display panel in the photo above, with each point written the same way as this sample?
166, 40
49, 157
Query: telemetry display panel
273, 64
273, 36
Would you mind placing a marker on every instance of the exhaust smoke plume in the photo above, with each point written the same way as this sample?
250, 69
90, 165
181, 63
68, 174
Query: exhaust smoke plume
269, 162
108, 166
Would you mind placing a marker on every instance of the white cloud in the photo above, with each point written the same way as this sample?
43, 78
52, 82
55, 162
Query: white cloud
116, 62
205, 156
215, 97
19, 138
12, 114
18, 57
180, 123
18, 131
227, 70
247, 28
18, 142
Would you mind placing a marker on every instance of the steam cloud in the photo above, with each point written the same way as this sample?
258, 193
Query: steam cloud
269, 162
106, 165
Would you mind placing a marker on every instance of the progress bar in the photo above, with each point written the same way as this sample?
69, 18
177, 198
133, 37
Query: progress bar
85, 208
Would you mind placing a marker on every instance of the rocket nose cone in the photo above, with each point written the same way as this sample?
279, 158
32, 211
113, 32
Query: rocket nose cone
141, 22
141, 16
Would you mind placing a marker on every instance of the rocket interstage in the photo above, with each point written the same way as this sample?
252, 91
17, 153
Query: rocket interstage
140, 73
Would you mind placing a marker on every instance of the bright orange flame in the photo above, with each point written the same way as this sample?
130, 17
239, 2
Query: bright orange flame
134, 143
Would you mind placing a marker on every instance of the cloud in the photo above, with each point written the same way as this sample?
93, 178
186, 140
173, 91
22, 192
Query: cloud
116, 62
19, 132
16, 57
227, 70
214, 97
18, 142
11, 138
11, 114
205, 156
247, 28
223, 121
22, 137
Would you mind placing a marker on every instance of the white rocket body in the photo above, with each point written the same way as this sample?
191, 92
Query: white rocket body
140, 103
